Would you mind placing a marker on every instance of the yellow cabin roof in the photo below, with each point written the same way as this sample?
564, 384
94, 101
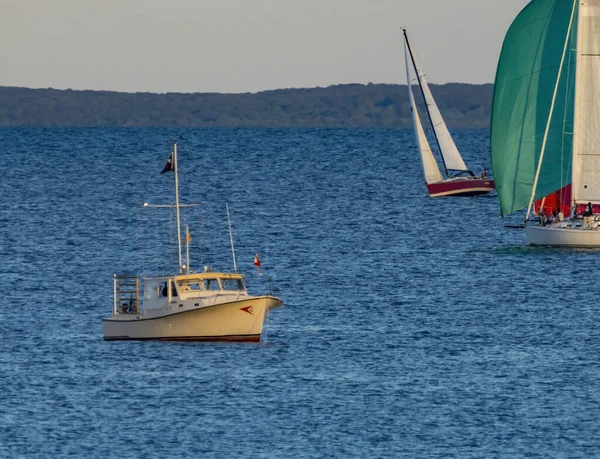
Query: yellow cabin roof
208, 275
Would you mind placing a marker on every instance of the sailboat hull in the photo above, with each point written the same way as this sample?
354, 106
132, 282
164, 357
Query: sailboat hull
229, 321
562, 236
460, 187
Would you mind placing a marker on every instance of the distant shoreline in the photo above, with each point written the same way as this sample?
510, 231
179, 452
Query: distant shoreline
340, 106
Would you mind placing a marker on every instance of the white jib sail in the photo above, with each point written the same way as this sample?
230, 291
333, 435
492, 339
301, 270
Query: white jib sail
430, 167
451, 155
586, 138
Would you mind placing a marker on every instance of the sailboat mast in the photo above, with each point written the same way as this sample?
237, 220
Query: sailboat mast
577, 118
176, 167
437, 141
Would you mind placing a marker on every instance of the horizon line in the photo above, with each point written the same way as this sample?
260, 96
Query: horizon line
49, 88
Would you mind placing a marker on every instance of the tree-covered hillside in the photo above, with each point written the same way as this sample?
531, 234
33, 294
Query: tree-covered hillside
349, 105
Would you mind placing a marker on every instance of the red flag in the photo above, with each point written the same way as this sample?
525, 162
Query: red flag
256, 260
169, 165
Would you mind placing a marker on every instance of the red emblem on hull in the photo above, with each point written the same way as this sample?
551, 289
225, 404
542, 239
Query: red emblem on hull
247, 309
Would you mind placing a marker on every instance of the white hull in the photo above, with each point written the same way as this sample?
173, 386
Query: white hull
562, 236
240, 320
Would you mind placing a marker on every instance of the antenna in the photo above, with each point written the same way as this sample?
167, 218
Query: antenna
231, 238
187, 249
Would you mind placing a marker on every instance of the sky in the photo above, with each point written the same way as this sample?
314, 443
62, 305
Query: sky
235, 46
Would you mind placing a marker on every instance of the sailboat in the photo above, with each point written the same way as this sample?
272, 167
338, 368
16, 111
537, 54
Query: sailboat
545, 139
187, 306
459, 181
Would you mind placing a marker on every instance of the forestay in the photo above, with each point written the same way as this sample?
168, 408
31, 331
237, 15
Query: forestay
526, 79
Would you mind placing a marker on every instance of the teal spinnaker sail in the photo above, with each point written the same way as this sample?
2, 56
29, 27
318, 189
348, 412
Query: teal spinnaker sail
526, 78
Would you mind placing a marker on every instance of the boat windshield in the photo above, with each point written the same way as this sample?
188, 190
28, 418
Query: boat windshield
214, 284
232, 284
195, 286
211, 284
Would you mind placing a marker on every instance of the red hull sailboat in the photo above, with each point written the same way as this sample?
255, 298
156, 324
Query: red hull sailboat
460, 186
459, 181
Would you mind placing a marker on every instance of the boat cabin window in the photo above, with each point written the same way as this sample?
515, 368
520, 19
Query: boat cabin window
191, 286
173, 289
232, 284
212, 284
154, 288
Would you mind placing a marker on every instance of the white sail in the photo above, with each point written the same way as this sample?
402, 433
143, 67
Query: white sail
586, 138
430, 167
452, 157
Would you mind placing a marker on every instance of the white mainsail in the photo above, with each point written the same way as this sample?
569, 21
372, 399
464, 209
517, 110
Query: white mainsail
586, 137
430, 167
452, 157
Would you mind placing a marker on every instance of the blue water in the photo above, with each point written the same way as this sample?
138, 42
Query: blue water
412, 327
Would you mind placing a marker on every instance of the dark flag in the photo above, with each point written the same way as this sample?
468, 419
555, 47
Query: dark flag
169, 165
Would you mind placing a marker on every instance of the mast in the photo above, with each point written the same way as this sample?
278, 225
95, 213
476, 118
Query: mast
437, 141
176, 168
576, 121
430, 167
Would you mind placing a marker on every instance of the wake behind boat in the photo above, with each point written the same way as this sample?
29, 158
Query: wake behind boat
459, 181
187, 306
545, 121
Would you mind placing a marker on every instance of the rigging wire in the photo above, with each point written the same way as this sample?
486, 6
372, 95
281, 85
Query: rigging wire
564, 133
155, 215
171, 239
141, 238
